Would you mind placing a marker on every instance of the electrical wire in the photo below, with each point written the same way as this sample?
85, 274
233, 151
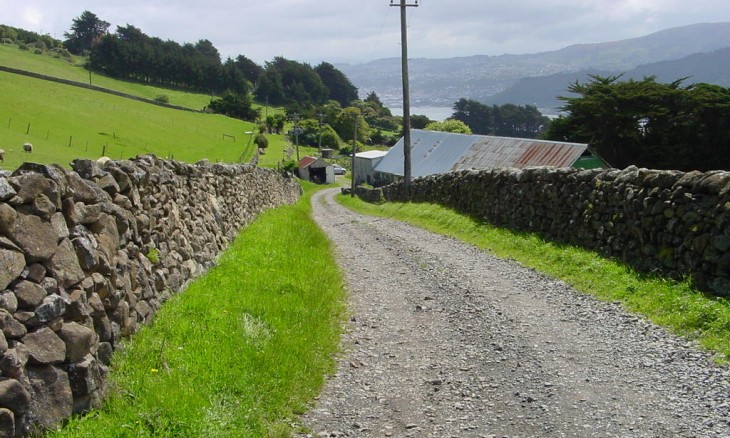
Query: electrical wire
378, 40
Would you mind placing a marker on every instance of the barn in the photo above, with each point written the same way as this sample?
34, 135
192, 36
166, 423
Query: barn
435, 152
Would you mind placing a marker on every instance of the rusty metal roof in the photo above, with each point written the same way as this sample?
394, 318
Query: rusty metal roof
439, 152
313, 162
306, 161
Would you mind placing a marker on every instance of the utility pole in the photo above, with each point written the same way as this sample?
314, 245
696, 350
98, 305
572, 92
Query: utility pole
320, 133
354, 150
297, 131
406, 95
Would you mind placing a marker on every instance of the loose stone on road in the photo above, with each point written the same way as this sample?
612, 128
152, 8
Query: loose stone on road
445, 340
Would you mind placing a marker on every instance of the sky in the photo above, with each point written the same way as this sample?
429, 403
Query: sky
348, 31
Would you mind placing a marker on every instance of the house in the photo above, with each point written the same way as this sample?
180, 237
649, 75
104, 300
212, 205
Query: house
365, 163
435, 152
316, 170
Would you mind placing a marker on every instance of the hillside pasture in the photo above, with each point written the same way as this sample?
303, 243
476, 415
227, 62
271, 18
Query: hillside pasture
72, 69
65, 122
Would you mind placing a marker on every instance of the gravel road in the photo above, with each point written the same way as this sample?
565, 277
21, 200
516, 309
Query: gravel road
445, 340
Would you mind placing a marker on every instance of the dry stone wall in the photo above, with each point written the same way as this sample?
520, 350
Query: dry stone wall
670, 222
88, 256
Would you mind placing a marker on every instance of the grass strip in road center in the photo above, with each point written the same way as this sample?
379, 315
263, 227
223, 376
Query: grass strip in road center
675, 305
239, 353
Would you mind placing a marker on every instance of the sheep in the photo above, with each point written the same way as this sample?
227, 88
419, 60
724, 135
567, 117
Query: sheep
27, 147
2, 156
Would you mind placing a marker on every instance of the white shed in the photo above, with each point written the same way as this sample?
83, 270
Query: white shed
365, 163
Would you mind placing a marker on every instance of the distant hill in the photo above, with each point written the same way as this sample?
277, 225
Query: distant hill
712, 68
443, 81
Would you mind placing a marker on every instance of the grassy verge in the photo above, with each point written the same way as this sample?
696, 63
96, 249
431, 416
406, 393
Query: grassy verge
241, 351
676, 306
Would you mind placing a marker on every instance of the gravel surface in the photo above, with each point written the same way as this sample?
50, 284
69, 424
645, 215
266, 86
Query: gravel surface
447, 341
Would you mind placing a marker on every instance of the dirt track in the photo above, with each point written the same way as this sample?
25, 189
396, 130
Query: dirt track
447, 341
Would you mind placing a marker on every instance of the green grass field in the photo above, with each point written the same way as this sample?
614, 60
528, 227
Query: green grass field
676, 306
72, 69
65, 122
242, 351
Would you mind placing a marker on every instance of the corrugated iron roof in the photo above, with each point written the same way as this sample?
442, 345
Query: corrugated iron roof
313, 163
306, 161
371, 154
439, 152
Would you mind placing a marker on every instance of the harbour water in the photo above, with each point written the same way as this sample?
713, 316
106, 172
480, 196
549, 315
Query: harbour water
437, 113
441, 113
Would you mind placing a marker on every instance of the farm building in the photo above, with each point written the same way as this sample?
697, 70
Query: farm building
435, 152
365, 162
316, 170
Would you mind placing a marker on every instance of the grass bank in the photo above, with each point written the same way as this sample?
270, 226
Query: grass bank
676, 306
241, 351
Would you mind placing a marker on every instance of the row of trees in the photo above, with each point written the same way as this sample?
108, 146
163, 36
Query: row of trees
284, 82
506, 120
131, 54
649, 124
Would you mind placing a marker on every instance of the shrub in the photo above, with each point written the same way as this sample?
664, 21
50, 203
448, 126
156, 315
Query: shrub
261, 141
235, 105
162, 98
346, 150
291, 166
330, 139
23, 47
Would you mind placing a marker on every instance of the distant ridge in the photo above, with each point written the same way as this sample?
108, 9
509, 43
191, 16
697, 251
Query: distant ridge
443, 81
711, 68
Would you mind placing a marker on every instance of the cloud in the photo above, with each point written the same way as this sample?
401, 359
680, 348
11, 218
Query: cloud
336, 30
32, 16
